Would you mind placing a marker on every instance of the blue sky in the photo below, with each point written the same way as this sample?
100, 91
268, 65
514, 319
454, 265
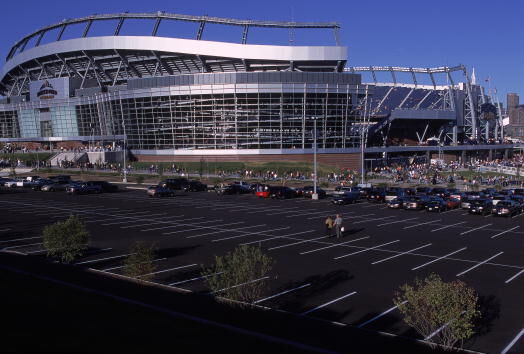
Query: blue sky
486, 35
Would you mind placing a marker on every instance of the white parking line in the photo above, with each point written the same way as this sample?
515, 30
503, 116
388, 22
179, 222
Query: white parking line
154, 222
329, 303
475, 229
122, 266
401, 254
168, 270
396, 222
366, 249
103, 259
277, 237
251, 233
20, 239
282, 293
193, 279
236, 286
447, 226
284, 211
131, 221
380, 315
439, 258
345, 213
479, 264
333, 245
503, 232
512, 343
441, 328
31, 244
217, 231
175, 224
422, 223
297, 243
310, 213
513, 277
374, 219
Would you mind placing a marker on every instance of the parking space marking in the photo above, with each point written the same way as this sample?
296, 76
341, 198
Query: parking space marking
344, 213
168, 270
373, 219
328, 303
251, 233
282, 293
439, 258
512, 343
103, 259
479, 264
401, 254
474, 229
284, 211
310, 213
396, 222
175, 224
194, 279
333, 245
28, 245
218, 231
20, 239
297, 243
442, 327
122, 266
381, 315
366, 249
422, 223
447, 226
503, 232
156, 222
513, 277
131, 221
277, 237
241, 284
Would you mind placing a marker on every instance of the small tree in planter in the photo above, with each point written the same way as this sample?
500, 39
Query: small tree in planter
66, 240
139, 263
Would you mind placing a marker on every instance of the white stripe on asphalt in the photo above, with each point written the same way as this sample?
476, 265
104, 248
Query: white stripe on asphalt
175, 224
475, 229
333, 245
422, 223
20, 239
380, 315
236, 286
155, 222
131, 221
311, 213
401, 254
193, 228
104, 259
438, 259
251, 233
445, 227
367, 249
479, 264
282, 293
277, 237
328, 303
168, 270
345, 213
373, 219
396, 222
512, 343
441, 328
193, 279
513, 277
219, 231
297, 243
31, 244
122, 266
503, 232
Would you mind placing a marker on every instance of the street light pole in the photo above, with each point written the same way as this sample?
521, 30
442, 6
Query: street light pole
314, 196
362, 171
125, 148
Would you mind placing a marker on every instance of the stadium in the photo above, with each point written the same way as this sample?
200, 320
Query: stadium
178, 99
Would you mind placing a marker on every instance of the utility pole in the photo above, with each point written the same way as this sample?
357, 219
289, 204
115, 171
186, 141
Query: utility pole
125, 148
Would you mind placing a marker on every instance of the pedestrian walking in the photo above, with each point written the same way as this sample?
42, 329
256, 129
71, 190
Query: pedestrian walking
329, 226
338, 225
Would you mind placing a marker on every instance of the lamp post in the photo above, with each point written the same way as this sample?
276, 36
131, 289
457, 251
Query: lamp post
314, 196
125, 148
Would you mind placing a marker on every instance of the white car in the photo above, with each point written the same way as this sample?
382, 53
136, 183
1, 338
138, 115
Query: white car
17, 182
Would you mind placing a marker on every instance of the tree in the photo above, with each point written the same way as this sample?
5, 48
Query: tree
139, 263
66, 240
239, 275
443, 313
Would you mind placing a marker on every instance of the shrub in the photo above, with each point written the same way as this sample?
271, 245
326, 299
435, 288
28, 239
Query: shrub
139, 263
140, 179
66, 240
238, 275
451, 185
443, 313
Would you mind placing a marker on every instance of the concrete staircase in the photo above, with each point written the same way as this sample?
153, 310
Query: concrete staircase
68, 156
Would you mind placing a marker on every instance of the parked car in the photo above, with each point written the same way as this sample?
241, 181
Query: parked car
497, 198
393, 194
83, 188
243, 185
6, 182
58, 178
452, 203
159, 191
364, 192
57, 186
417, 202
465, 203
39, 183
346, 198
474, 195
282, 192
436, 204
398, 203
344, 189
196, 186
106, 186
506, 208
519, 199
175, 183
231, 189
423, 190
308, 192
440, 192
262, 190
377, 196
14, 183
458, 195
480, 206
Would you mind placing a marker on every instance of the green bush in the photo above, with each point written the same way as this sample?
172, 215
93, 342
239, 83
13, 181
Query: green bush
139, 263
66, 240
236, 275
443, 313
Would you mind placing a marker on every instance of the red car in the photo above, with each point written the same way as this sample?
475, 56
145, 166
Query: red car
262, 191
453, 203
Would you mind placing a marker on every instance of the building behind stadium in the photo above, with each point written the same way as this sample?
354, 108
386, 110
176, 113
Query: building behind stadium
176, 99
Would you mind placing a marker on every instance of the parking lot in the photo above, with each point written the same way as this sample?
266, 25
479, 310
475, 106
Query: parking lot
349, 281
